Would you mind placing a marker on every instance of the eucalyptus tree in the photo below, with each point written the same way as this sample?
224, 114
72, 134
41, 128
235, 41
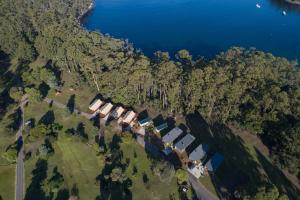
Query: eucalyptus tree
168, 84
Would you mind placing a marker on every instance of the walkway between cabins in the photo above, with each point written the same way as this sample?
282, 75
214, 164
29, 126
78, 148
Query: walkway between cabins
201, 192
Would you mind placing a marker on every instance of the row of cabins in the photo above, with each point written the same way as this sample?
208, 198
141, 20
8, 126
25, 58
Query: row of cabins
106, 110
198, 154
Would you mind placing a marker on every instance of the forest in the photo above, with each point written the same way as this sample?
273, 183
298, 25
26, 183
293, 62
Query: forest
253, 90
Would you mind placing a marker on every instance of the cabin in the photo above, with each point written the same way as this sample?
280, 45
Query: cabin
145, 122
95, 105
182, 144
169, 138
196, 170
116, 113
215, 161
104, 110
129, 117
160, 127
199, 153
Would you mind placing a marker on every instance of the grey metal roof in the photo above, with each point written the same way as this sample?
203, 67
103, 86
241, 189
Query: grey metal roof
199, 152
172, 135
184, 142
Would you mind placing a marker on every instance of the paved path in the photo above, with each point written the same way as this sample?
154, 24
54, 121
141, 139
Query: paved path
201, 192
20, 159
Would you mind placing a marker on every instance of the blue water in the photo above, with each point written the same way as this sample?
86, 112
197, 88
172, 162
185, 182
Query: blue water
204, 27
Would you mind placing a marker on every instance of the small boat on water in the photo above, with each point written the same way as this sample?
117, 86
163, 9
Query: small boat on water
258, 5
284, 13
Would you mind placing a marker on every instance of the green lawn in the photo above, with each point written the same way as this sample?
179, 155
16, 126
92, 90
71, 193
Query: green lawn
7, 182
154, 189
77, 162
7, 171
61, 116
83, 95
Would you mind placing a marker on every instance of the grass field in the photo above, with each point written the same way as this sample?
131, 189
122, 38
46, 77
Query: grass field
78, 164
154, 188
83, 95
7, 171
75, 160
7, 182
61, 116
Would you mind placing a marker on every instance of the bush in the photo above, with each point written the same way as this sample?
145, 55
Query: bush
11, 154
182, 176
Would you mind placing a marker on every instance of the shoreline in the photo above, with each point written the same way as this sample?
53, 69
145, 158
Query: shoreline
295, 2
91, 6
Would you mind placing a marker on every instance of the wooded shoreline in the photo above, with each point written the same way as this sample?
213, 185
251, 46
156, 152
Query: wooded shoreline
90, 8
296, 2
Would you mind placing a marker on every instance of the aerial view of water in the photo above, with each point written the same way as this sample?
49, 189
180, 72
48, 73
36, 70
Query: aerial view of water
204, 27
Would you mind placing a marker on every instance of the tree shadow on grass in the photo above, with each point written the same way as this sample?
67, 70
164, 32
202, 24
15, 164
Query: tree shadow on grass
114, 190
39, 174
115, 142
63, 194
278, 178
111, 190
239, 171
16, 120
75, 191
71, 103
44, 89
80, 130
96, 121
48, 118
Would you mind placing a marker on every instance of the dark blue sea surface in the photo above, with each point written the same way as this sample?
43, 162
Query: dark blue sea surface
204, 27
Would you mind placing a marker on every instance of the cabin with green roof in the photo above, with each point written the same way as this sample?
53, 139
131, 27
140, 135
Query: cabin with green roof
160, 127
145, 122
